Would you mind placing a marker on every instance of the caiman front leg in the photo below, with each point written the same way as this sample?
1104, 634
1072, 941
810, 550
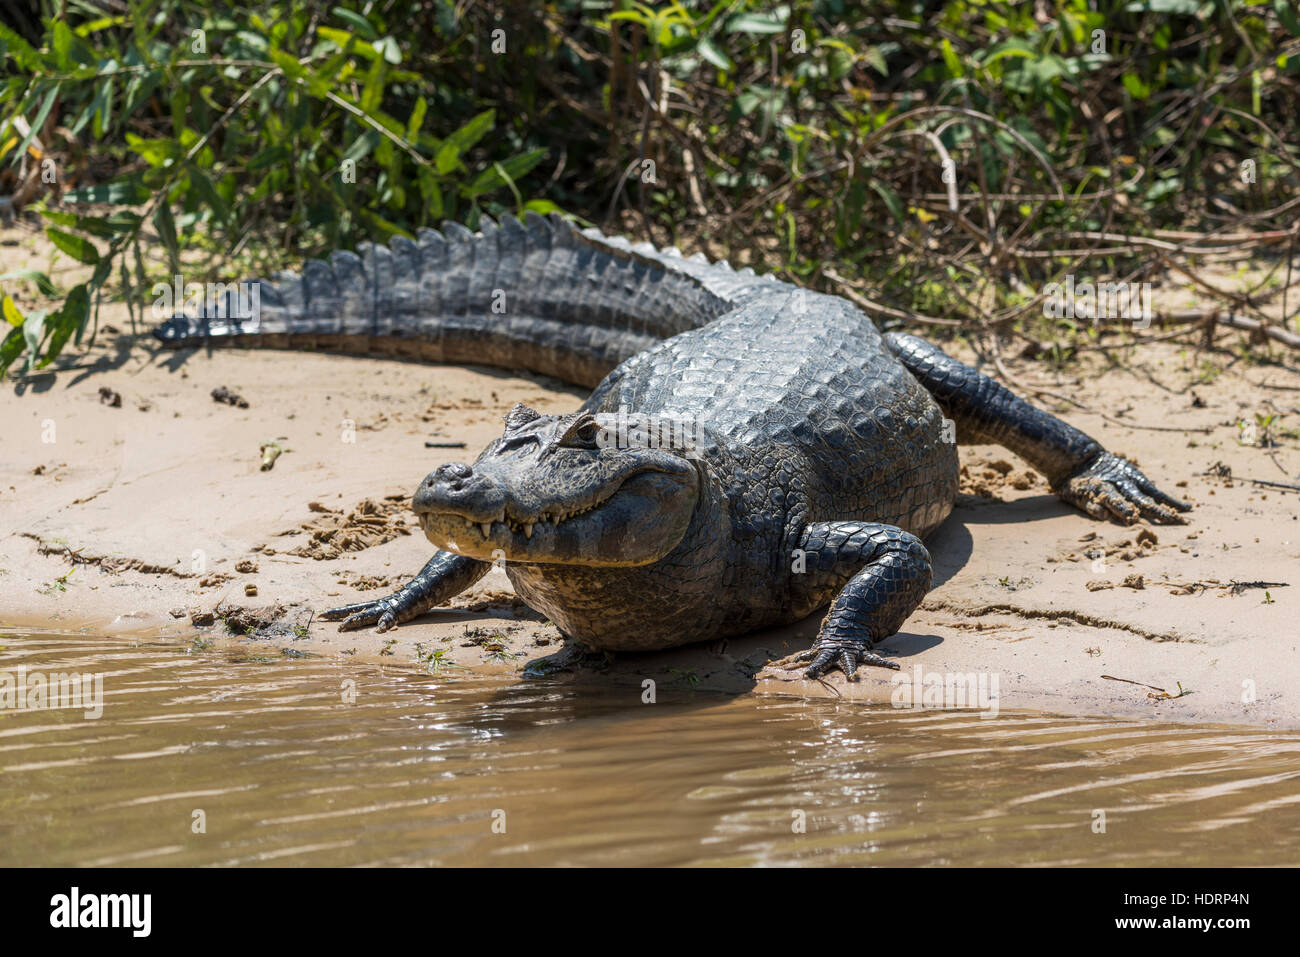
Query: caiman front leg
1079, 470
881, 573
445, 576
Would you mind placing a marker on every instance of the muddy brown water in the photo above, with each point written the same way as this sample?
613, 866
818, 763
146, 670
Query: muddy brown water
221, 758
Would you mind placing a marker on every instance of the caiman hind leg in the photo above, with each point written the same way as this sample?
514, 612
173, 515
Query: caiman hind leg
445, 576
881, 573
1079, 470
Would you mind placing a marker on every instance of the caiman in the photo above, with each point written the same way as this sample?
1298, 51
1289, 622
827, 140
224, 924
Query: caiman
751, 450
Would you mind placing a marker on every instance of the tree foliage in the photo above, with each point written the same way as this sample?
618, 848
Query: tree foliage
922, 149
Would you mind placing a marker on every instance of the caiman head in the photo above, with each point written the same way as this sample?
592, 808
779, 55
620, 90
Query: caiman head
570, 489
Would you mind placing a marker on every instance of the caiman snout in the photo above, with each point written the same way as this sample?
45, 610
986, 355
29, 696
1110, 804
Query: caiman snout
456, 487
453, 473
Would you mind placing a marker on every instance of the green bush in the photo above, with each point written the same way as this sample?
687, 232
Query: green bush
808, 138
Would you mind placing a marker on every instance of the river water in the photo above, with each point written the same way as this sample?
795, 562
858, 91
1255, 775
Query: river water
223, 758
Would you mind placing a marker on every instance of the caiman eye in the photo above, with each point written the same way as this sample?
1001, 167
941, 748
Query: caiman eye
582, 434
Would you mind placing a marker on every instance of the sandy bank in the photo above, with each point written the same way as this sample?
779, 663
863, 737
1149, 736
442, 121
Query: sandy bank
144, 510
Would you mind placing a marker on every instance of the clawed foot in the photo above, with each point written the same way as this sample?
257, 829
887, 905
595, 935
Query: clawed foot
825, 654
443, 576
382, 612
1112, 486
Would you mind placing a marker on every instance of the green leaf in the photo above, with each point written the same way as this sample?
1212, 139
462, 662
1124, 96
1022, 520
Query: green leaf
417, 119
1011, 48
203, 185
288, 63
13, 45
431, 193
876, 60
454, 146
123, 192
542, 207
357, 22
502, 174
271, 156
347, 42
755, 23
61, 44
78, 247
155, 152
362, 146
166, 226
12, 348
70, 318
372, 94
103, 107
950, 59
713, 54
892, 202
94, 26
101, 272
383, 226
87, 224
39, 123
42, 281
1286, 13
1185, 7
1136, 88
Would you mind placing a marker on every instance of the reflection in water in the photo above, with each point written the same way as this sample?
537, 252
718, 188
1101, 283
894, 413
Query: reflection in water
326, 763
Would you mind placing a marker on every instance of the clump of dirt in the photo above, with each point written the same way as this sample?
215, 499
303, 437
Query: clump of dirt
369, 582
1094, 547
988, 480
276, 620
229, 397
370, 523
494, 641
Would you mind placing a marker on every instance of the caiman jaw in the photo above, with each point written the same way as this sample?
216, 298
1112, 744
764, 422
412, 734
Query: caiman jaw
639, 522
517, 526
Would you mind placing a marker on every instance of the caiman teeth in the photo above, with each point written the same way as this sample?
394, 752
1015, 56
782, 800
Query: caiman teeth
524, 526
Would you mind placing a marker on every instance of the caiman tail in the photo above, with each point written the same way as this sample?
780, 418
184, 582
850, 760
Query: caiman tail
540, 295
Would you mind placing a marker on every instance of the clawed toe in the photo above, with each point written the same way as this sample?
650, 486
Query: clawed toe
1112, 487
821, 663
826, 657
343, 611
361, 614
